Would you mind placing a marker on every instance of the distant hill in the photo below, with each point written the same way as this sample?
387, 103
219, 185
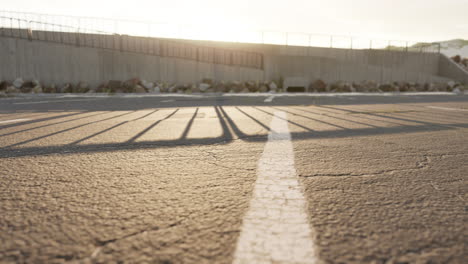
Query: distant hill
450, 47
455, 47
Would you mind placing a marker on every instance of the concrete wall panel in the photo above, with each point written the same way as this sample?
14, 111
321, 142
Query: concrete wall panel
123, 57
449, 68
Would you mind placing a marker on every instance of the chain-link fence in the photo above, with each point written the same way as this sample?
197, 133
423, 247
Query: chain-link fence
60, 23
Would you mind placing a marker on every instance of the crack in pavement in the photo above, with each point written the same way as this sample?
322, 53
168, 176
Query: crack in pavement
423, 164
216, 163
103, 243
424, 250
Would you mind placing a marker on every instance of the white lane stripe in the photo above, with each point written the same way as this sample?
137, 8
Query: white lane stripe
276, 227
14, 120
269, 99
56, 101
447, 108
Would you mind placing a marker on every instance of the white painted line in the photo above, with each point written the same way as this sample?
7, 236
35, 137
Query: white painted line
167, 101
14, 120
276, 227
55, 101
447, 108
269, 99
334, 94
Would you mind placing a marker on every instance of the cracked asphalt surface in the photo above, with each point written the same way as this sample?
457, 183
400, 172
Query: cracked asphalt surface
168, 179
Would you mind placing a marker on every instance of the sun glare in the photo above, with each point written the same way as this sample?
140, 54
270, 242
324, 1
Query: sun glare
242, 21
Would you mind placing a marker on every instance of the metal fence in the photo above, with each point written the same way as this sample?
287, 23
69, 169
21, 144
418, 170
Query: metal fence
48, 22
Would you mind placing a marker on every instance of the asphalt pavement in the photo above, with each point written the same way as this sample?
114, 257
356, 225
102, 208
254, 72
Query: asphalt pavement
261, 178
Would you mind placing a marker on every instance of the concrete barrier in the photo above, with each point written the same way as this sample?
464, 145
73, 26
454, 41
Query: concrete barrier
59, 57
447, 67
59, 63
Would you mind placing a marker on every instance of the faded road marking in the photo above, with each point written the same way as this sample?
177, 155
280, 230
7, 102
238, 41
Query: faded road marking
56, 101
276, 227
14, 120
447, 108
269, 99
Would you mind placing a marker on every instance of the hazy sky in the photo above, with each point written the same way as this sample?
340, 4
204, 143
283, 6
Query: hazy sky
419, 20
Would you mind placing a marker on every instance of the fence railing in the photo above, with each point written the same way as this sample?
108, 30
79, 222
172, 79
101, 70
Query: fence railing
48, 22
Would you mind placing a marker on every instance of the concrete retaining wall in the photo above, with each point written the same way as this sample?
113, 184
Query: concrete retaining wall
53, 62
57, 63
447, 67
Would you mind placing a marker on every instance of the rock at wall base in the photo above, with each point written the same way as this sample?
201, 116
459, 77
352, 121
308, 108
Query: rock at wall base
4, 85
318, 86
263, 88
139, 89
37, 89
273, 87
82, 87
18, 83
67, 88
12, 90
203, 87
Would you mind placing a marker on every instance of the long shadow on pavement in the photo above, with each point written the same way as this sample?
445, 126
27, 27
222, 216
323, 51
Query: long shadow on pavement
66, 130
39, 120
112, 127
228, 125
206, 100
52, 124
